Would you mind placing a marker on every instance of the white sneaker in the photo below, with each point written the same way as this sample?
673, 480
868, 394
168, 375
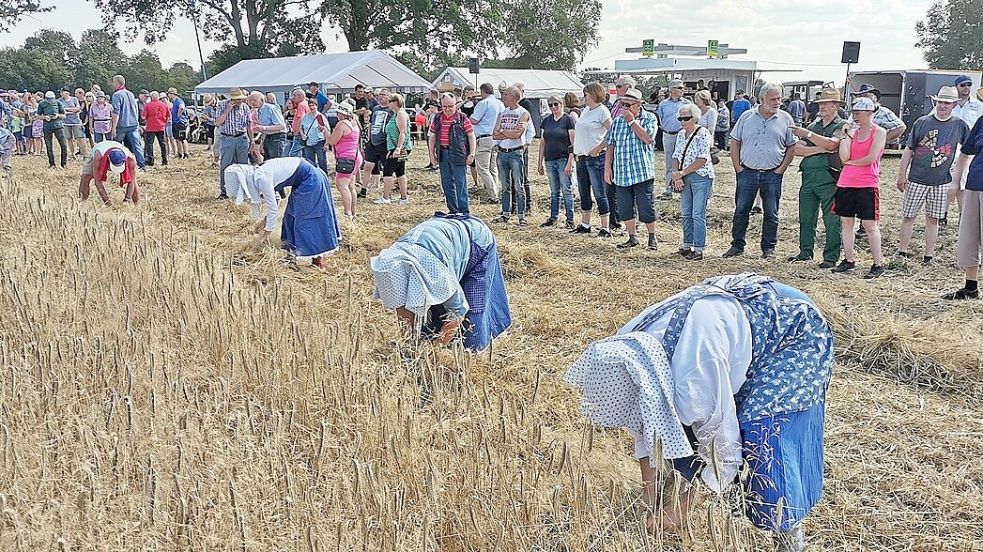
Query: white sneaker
404, 201
382, 201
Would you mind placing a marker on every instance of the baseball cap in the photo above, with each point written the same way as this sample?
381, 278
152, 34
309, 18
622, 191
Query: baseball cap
49, 95
961, 79
864, 104
117, 160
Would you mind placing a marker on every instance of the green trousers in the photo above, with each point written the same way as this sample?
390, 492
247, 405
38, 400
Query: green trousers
815, 195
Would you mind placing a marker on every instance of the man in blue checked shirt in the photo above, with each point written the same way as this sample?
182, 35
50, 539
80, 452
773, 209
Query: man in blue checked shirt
630, 166
667, 113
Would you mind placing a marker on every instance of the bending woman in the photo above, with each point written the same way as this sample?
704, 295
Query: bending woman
309, 228
444, 279
723, 374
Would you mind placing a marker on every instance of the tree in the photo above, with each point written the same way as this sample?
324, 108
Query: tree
423, 34
551, 34
256, 26
99, 58
54, 53
11, 11
950, 34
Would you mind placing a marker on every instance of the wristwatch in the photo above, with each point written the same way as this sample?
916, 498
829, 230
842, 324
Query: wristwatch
809, 134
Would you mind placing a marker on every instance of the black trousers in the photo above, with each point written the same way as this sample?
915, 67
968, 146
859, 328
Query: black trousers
159, 136
58, 133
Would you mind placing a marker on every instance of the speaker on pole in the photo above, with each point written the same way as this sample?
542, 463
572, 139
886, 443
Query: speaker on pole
473, 66
851, 52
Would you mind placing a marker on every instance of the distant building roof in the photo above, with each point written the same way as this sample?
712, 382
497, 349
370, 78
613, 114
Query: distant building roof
539, 83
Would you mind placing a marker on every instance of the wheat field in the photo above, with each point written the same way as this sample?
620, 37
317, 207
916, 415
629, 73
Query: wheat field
163, 386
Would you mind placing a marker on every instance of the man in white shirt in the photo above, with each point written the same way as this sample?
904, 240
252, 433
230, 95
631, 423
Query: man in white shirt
969, 110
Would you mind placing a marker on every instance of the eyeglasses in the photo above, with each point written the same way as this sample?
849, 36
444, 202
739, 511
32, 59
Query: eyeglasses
554, 105
677, 87
684, 119
621, 85
966, 84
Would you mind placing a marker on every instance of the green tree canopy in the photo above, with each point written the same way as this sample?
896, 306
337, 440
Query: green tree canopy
11, 11
952, 34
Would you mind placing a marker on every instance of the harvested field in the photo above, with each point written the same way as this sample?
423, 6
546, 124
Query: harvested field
165, 387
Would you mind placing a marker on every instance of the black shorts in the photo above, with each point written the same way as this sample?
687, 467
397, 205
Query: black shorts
375, 154
180, 131
636, 200
393, 166
863, 203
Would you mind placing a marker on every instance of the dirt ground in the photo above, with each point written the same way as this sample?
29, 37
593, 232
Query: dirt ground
165, 387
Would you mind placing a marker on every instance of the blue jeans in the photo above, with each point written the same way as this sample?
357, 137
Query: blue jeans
510, 172
317, 156
590, 177
296, 148
749, 182
696, 194
99, 137
559, 182
130, 137
454, 181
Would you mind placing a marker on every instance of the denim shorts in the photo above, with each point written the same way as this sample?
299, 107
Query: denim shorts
637, 196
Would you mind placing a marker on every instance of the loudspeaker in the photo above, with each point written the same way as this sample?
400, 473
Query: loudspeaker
473, 66
851, 52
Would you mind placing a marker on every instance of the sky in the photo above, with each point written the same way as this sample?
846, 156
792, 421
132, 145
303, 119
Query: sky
789, 35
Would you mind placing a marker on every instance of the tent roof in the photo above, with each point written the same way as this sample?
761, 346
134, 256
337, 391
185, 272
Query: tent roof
335, 73
538, 83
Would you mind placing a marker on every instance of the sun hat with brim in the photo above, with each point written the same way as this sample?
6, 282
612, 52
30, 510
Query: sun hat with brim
172, 90
633, 94
344, 108
864, 104
979, 93
947, 94
829, 95
49, 95
865, 88
236, 94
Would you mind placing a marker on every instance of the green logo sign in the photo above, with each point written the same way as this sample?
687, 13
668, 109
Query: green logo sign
648, 47
713, 48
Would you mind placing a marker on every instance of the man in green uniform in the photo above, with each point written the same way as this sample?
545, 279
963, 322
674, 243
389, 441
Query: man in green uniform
53, 114
818, 143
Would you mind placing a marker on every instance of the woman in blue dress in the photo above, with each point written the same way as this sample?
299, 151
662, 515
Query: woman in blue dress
309, 228
726, 374
445, 281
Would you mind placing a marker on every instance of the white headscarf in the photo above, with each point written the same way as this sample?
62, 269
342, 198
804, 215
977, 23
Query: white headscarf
409, 276
240, 183
625, 381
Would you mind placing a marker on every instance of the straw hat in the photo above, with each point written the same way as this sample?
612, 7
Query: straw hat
345, 108
236, 94
947, 94
979, 93
172, 90
829, 95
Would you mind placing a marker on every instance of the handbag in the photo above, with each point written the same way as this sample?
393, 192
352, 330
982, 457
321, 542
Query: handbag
342, 165
714, 152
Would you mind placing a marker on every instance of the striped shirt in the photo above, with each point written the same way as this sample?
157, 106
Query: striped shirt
634, 160
237, 120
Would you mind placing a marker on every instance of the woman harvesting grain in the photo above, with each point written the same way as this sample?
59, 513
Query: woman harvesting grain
110, 157
444, 279
735, 369
309, 228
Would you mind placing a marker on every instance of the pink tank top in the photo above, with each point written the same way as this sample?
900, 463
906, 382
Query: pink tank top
862, 177
347, 147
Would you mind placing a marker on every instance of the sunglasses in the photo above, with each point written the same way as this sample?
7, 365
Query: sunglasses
966, 84
621, 86
677, 87
684, 119
554, 105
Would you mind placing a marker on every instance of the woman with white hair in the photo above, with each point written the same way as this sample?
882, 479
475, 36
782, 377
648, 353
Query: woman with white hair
309, 229
445, 281
727, 381
692, 176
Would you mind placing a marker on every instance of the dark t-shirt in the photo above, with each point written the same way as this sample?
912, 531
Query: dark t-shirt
974, 146
526, 104
377, 124
556, 136
934, 144
812, 109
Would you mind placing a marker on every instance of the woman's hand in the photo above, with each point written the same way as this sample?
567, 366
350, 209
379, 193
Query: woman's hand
677, 184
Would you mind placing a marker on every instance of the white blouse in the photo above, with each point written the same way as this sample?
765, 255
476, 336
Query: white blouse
708, 367
698, 148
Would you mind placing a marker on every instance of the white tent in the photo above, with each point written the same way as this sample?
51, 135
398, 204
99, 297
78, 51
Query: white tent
538, 83
336, 73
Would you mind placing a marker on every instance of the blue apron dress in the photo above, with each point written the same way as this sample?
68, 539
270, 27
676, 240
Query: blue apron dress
309, 224
781, 406
484, 289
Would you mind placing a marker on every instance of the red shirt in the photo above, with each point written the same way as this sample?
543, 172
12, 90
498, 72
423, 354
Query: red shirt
299, 113
157, 116
445, 127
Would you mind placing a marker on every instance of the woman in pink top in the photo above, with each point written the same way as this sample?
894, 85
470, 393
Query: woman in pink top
344, 139
857, 189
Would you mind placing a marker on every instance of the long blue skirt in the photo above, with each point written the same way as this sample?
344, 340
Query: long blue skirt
784, 455
490, 315
309, 224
